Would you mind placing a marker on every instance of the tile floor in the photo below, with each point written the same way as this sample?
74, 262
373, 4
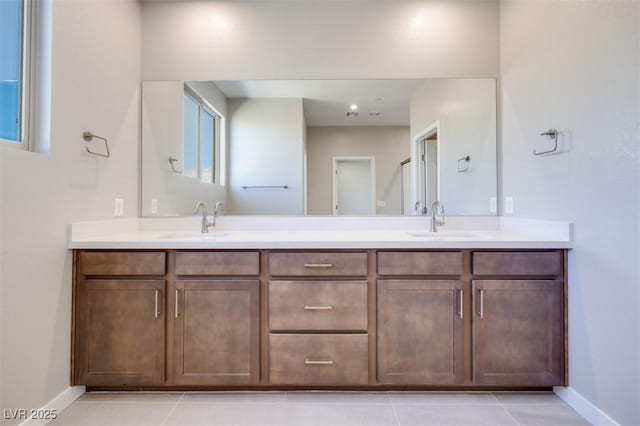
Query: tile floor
319, 408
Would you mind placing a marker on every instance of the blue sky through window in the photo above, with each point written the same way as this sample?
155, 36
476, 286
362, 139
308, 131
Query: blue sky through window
10, 68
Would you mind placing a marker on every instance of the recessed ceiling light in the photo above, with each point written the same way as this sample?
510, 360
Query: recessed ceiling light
353, 107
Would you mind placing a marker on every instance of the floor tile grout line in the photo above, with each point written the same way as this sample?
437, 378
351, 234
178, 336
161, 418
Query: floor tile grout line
510, 415
127, 402
164, 422
395, 415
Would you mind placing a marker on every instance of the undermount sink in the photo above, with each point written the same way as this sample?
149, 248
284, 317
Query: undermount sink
459, 235
193, 236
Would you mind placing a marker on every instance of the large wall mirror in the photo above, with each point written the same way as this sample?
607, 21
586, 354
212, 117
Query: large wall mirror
319, 147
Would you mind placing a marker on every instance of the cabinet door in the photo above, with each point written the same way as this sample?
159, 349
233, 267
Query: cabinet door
216, 332
518, 332
120, 332
420, 332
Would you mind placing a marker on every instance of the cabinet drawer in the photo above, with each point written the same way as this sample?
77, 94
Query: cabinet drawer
318, 305
318, 359
420, 263
318, 264
121, 263
218, 263
543, 263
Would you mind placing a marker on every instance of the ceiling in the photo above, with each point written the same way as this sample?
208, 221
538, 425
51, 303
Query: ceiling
326, 102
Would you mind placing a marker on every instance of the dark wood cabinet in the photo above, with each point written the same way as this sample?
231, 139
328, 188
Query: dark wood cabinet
247, 319
120, 332
216, 332
518, 332
420, 332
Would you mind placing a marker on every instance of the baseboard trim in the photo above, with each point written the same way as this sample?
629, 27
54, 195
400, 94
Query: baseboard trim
584, 407
59, 403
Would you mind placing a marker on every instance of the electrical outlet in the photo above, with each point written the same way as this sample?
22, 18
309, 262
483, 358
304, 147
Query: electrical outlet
118, 208
154, 206
493, 205
508, 205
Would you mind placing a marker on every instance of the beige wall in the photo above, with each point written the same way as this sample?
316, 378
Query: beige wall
215, 40
466, 111
96, 81
389, 146
581, 75
162, 137
266, 147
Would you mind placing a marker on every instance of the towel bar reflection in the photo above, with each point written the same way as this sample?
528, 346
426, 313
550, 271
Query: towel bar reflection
88, 136
550, 134
264, 186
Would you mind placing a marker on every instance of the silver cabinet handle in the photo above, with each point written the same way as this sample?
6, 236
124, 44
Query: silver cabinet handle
157, 308
319, 265
461, 303
481, 311
177, 311
318, 308
318, 362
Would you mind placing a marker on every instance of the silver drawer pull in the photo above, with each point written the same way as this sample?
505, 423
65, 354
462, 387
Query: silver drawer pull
318, 308
319, 265
318, 362
177, 308
157, 305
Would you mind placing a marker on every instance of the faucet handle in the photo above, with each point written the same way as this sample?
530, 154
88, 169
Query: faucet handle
441, 222
197, 206
219, 208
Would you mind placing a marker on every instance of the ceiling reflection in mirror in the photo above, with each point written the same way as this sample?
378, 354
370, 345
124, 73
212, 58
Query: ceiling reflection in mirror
319, 147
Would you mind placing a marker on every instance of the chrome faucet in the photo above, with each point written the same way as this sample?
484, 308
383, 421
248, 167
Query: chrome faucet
434, 212
205, 221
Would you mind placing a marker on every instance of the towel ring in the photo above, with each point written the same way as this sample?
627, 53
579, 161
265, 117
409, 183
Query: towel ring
88, 136
463, 164
550, 134
173, 168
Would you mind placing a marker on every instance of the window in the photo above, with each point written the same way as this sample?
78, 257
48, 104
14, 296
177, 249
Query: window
201, 138
14, 70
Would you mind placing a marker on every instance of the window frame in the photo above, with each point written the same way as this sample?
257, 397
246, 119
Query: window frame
203, 105
27, 78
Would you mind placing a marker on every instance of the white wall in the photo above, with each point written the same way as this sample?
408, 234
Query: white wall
96, 80
191, 40
388, 145
266, 147
162, 137
573, 65
466, 111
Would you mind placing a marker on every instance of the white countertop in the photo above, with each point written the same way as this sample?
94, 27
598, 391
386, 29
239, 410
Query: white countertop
253, 232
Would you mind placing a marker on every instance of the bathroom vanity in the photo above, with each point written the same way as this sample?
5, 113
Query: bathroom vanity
349, 318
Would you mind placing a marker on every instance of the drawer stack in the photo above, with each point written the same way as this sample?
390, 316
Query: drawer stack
318, 318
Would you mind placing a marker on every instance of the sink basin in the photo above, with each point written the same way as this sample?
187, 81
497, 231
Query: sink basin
193, 236
446, 235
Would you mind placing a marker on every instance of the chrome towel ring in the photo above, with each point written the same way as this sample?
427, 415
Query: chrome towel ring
88, 137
